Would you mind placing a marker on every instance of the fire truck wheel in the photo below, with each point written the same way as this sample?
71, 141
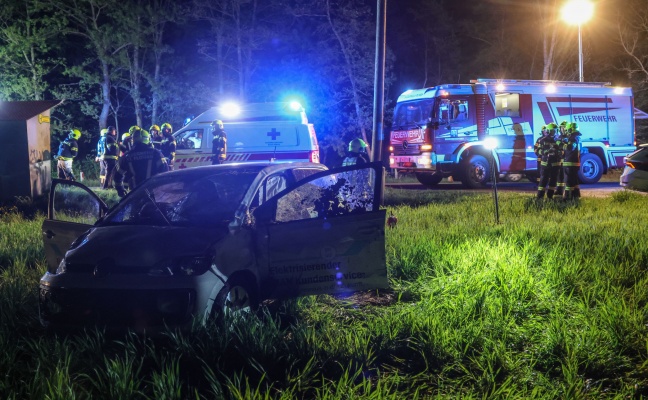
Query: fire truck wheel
429, 180
475, 172
591, 168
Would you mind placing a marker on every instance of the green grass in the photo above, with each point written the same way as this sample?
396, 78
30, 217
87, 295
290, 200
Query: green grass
551, 303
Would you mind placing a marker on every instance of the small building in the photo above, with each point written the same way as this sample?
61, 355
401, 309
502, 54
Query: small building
25, 154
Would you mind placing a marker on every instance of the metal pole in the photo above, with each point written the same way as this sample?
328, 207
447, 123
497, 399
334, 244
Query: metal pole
580, 54
495, 197
377, 136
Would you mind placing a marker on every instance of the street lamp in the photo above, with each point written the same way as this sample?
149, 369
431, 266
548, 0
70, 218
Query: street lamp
577, 12
490, 143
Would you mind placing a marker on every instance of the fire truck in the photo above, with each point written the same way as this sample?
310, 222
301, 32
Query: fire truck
446, 130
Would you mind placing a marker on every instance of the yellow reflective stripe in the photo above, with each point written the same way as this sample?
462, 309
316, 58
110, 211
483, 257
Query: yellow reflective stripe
571, 164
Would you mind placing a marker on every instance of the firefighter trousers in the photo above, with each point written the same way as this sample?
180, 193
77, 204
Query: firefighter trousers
110, 173
548, 177
560, 184
572, 189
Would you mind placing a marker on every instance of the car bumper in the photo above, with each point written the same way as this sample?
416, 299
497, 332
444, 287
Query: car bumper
425, 161
634, 179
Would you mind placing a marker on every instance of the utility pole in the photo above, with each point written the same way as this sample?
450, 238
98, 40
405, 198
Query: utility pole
377, 136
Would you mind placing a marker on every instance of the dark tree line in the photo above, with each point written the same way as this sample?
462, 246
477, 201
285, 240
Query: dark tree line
151, 61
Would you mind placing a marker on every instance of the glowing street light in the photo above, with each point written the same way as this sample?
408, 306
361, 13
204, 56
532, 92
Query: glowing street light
577, 12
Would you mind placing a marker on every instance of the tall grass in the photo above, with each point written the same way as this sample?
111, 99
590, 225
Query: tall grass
551, 303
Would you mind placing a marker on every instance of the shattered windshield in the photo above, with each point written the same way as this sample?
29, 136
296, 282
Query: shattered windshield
413, 113
202, 200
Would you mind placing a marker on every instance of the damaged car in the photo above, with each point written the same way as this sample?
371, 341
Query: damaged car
195, 243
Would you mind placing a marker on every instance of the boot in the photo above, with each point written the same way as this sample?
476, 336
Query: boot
560, 190
550, 194
541, 193
568, 195
576, 193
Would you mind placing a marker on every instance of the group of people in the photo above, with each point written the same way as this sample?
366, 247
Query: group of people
139, 155
558, 150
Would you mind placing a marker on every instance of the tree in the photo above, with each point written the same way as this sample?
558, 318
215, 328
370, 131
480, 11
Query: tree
27, 49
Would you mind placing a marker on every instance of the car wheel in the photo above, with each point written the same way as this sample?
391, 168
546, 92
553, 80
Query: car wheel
429, 180
591, 168
237, 296
475, 172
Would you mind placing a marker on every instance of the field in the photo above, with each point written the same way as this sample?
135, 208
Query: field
551, 303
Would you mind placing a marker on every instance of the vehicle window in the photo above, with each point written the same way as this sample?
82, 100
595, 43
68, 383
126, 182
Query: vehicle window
337, 194
303, 173
452, 110
507, 105
639, 155
191, 139
413, 113
274, 185
73, 204
201, 200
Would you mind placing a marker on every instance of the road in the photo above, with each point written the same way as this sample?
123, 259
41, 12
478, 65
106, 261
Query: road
596, 189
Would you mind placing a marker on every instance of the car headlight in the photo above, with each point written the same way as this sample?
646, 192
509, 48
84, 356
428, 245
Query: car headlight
62, 267
181, 266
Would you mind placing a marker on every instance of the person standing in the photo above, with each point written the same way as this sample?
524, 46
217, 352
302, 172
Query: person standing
139, 164
68, 149
110, 156
562, 137
549, 172
571, 162
219, 142
168, 145
101, 147
357, 153
156, 136
537, 149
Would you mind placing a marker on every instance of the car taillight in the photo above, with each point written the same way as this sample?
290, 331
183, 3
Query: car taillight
314, 156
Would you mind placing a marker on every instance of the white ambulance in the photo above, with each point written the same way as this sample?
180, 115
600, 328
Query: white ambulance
277, 132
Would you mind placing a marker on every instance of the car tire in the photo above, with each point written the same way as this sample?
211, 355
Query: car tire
237, 296
591, 168
475, 172
429, 180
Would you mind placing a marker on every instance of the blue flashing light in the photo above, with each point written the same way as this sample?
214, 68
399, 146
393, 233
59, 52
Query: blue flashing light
230, 109
296, 106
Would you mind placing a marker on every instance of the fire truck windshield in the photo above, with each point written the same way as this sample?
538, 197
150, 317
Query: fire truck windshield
451, 110
413, 114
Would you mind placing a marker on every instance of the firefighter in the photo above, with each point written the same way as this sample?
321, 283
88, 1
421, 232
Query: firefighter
109, 157
168, 145
537, 147
156, 136
357, 153
127, 140
101, 147
571, 161
139, 164
219, 142
68, 149
549, 165
560, 182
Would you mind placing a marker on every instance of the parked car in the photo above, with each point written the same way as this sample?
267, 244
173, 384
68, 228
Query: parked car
197, 242
635, 173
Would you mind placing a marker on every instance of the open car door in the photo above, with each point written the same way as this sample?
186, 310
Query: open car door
324, 236
72, 210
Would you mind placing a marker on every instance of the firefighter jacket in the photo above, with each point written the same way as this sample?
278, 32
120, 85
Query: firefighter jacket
139, 164
101, 146
354, 158
219, 144
111, 150
68, 149
168, 148
537, 147
571, 150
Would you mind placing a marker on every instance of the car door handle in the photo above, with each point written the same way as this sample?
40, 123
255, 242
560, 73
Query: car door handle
49, 234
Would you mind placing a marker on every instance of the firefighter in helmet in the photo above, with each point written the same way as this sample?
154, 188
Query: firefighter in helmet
562, 136
127, 140
139, 164
537, 147
549, 165
168, 144
101, 148
571, 161
109, 157
357, 153
219, 142
68, 149
156, 136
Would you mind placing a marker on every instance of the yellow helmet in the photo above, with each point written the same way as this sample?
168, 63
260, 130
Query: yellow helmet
167, 125
141, 136
154, 128
125, 136
75, 134
217, 123
104, 131
134, 129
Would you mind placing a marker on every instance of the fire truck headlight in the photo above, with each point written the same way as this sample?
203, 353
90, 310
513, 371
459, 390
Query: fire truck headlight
296, 106
426, 147
230, 109
490, 143
391, 161
391, 148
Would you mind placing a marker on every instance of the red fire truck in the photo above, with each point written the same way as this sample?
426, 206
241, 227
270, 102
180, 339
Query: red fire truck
442, 131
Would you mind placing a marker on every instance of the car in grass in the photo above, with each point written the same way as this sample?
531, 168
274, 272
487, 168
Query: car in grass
191, 244
635, 173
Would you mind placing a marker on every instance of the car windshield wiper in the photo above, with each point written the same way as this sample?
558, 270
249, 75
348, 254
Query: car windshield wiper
150, 197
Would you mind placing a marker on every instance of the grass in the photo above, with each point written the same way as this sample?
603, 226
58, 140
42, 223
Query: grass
551, 303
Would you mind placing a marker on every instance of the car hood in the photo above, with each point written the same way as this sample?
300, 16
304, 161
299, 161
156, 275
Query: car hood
141, 246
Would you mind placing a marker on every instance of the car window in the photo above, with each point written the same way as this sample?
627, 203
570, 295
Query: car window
74, 204
332, 195
200, 200
190, 139
302, 173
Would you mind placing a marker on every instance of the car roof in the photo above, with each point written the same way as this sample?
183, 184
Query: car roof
266, 166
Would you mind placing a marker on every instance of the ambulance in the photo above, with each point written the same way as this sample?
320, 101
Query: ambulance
451, 130
276, 132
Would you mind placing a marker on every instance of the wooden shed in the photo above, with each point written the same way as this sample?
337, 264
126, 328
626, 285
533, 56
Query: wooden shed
25, 153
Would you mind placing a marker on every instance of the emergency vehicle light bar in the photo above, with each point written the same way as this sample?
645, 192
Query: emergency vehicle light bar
540, 82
